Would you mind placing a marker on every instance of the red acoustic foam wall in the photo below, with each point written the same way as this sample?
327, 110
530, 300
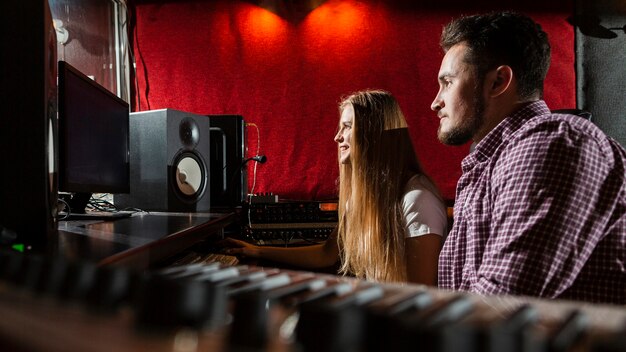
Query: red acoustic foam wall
286, 75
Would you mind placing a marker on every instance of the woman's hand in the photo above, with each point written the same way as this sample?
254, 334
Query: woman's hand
309, 257
239, 248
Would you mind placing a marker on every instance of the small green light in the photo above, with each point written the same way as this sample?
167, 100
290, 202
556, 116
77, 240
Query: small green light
18, 247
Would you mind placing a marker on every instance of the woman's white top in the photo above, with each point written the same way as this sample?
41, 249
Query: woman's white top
424, 210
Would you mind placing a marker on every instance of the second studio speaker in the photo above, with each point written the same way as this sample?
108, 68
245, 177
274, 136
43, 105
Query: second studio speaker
169, 162
229, 181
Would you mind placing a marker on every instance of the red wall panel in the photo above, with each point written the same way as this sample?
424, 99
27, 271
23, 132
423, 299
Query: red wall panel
287, 74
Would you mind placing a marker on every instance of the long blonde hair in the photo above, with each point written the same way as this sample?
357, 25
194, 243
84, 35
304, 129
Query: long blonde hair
371, 230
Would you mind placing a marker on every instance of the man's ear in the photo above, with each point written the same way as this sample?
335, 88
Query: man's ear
500, 80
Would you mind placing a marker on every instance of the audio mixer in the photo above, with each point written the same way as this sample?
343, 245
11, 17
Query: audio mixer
290, 223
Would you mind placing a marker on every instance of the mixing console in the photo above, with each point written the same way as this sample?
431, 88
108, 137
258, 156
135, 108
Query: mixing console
290, 222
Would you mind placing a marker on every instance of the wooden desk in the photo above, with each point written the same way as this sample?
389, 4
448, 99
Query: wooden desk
139, 241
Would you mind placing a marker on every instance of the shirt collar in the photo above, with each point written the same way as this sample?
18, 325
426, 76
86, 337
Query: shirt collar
507, 127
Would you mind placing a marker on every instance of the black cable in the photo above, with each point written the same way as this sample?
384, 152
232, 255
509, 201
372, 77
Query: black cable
60, 211
258, 158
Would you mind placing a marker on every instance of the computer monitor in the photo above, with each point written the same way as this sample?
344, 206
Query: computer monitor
93, 138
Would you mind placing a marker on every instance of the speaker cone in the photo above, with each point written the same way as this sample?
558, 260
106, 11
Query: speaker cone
190, 176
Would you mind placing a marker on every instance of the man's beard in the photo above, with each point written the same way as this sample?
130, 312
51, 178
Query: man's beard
468, 127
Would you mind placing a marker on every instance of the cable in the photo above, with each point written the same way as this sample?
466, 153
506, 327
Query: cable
101, 203
145, 70
258, 149
127, 54
60, 212
133, 60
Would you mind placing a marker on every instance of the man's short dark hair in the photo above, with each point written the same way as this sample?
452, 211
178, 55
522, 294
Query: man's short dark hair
503, 38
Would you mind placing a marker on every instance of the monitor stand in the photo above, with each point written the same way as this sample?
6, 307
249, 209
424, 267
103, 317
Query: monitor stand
78, 202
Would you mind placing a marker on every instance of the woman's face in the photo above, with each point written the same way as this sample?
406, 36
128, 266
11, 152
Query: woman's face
344, 135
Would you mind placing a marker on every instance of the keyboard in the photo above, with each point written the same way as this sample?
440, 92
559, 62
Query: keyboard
52, 304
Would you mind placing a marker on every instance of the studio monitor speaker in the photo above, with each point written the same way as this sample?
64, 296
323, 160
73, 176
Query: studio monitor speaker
169, 167
229, 181
28, 127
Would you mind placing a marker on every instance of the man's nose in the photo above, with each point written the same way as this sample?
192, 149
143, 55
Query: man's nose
437, 104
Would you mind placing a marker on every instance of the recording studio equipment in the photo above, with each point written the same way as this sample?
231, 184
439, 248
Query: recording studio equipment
169, 162
48, 303
93, 139
290, 222
28, 128
229, 180
264, 197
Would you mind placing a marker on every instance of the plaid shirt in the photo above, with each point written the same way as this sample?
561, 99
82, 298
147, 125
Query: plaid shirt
540, 211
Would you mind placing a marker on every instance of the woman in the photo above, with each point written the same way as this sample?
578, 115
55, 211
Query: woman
391, 217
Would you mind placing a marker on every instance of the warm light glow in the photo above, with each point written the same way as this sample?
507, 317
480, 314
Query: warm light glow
262, 34
337, 19
261, 25
337, 33
329, 206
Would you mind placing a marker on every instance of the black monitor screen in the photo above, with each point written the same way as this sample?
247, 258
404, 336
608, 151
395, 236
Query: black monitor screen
93, 136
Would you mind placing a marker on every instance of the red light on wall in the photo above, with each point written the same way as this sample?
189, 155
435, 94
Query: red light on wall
262, 34
259, 23
291, 10
338, 19
338, 33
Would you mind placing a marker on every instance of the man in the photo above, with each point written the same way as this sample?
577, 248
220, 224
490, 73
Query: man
540, 208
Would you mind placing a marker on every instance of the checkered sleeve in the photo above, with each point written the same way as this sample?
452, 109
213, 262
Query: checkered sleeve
546, 185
